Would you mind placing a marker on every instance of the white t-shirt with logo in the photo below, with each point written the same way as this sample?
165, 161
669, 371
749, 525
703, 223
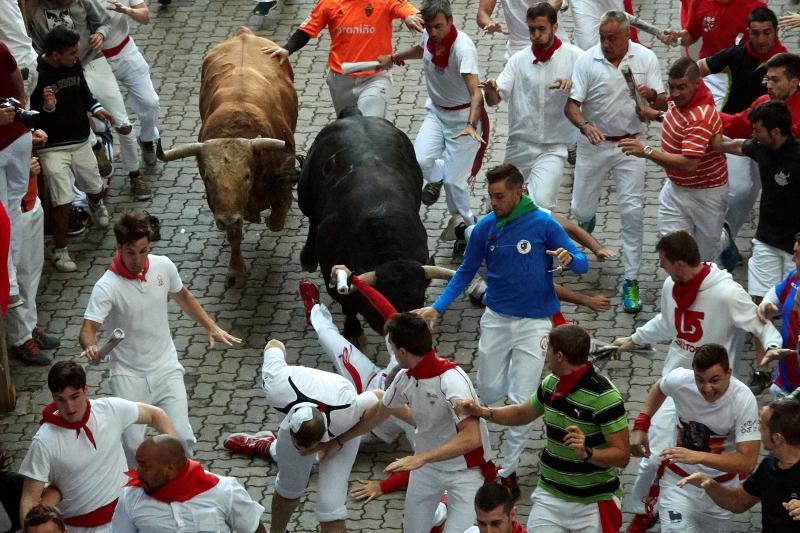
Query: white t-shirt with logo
446, 86
87, 477
432, 403
225, 507
714, 427
140, 310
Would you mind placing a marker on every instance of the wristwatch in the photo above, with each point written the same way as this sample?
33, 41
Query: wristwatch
589, 454
648, 150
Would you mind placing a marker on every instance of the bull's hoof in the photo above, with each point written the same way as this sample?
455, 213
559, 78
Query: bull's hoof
308, 259
235, 279
276, 220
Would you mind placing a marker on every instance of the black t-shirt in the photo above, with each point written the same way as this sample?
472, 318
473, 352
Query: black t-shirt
780, 197
774, 486
745, 77
10, 495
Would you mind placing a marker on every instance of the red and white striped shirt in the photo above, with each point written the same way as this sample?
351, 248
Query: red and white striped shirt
688, 131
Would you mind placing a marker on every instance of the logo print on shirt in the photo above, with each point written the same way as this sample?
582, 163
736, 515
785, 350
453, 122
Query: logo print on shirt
782, 179
688, 324
368, 10
523, 247
160, 281
708, 23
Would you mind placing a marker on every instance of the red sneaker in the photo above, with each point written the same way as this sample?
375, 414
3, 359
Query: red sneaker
641, 523
310, 296
251, 445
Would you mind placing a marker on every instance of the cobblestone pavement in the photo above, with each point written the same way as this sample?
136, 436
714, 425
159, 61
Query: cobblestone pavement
223, 384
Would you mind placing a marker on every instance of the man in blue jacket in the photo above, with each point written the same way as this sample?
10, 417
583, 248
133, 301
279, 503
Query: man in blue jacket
518, 242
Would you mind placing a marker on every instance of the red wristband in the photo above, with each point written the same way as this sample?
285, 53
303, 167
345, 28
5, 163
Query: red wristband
398, 62
642, 422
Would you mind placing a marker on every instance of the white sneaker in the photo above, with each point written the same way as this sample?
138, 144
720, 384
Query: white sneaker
62, 261
449, 233
99, 213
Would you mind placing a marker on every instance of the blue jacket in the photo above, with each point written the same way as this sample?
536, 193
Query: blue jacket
517, 264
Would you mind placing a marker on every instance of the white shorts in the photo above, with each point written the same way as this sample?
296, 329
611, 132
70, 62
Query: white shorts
294, 471
550, 514
766, 268
369, 93
56, 166
689, 509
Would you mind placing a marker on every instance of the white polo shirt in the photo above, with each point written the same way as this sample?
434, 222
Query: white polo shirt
120, 30
285, 386
432, 402
446, 86
714, 427
87, 477
225, 507
140, 309
14, 35
603, 94
535, 111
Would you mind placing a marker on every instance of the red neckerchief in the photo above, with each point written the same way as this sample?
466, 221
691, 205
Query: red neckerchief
685, 294
566, 384
702, 96
516, 527
191, 481
431, 366
441, 53
762, 58
545, 55
49, 416
119, 268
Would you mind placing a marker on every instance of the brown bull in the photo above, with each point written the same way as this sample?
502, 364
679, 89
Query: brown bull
245, 150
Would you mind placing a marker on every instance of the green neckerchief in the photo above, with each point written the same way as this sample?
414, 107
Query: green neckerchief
525, 205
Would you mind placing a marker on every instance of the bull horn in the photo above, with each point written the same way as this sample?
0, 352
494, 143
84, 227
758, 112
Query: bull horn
186, 150
260, 143
435, 272
368, 278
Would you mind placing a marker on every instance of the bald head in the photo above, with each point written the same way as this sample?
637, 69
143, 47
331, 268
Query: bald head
161, 459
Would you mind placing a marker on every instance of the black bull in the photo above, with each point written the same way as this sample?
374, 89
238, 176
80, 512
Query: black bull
360, 188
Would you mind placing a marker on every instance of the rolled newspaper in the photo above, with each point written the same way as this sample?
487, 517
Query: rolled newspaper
655, 31
631, 81
341, 282
117, 336
360, 66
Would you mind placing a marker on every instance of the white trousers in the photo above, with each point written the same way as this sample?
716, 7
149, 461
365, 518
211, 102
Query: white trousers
443, 158
423, 496
718, 86
701, 212
510, 362
133, 73
587, 22
767, 267
593, 164
351, 363
543, 166
661, 435
165, 390
28, 253
689, 509
550, 514
294, 471
15, 168
744, 186
369, 93
104, 87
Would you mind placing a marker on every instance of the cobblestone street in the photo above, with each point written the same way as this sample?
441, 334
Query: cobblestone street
224, 384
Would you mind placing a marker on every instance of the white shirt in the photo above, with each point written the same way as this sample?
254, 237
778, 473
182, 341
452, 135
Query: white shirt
345, 406
446, 87
120, 29
603, 94
140, 310
87, 477
432, 402
716, 426
515, 12
14, 35
225, 507
535, 111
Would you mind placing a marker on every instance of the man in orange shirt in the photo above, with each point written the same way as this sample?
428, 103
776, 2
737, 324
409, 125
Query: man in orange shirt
361, 30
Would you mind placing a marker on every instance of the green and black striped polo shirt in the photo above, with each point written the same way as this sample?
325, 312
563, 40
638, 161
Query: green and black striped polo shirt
595, 406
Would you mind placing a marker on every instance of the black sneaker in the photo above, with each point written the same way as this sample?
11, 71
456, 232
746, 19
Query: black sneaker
79, 221
760, 382
263, 8
431, 192
149, 153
